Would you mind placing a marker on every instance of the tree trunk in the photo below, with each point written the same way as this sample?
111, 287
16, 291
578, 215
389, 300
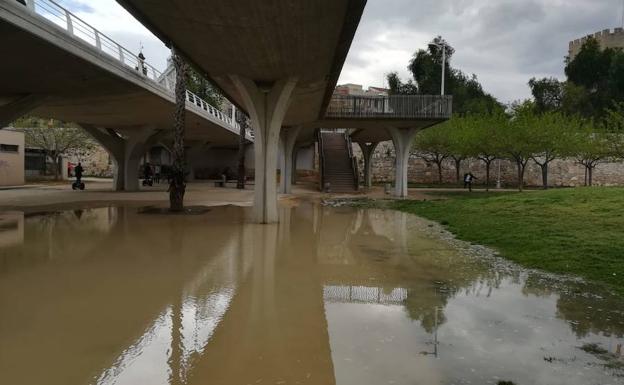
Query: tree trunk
439, 172
590, 174
55, 164
585, 175
487, 175
177, 186
521, 168
544, 168
240, 184
457, 169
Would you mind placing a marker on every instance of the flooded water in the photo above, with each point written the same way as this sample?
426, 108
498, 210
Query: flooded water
330, 296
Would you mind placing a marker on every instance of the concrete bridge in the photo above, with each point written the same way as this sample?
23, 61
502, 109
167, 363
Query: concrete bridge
63, 68
280, 66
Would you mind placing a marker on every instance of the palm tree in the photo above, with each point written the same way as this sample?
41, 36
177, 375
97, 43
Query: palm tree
177, 185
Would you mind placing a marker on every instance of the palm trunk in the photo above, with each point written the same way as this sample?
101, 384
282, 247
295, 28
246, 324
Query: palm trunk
177, 186
241, 153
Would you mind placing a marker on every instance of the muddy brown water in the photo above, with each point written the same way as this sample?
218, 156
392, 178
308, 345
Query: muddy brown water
330, 296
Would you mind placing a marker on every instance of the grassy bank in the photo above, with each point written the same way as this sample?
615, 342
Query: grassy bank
573, 231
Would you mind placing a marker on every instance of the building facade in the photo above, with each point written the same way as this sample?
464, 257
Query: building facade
11, 157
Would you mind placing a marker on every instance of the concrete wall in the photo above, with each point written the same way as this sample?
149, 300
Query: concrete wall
11, 158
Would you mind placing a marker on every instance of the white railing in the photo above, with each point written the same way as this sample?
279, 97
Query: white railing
78, 28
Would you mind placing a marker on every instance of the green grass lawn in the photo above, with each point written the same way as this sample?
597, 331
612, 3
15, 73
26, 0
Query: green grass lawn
575, 231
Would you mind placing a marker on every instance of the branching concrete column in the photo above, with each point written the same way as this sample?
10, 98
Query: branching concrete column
367, 152
116, 148
402, 139
125, 152
288, 137
18, 107
267, 106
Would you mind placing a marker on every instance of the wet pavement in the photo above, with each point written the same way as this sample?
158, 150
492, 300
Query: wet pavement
330, 296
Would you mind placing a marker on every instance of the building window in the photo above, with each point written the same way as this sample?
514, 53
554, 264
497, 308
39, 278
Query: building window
9, 148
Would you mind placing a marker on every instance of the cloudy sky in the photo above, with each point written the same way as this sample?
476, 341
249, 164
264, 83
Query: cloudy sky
503, 42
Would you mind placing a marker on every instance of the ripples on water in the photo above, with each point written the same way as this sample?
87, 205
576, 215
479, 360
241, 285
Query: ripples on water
331, 295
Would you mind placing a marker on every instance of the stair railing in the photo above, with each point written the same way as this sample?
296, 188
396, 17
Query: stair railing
321, 151
354, 166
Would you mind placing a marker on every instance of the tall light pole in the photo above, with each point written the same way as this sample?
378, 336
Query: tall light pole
443, 46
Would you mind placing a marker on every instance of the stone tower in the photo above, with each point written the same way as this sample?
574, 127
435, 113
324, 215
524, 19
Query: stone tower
607, 39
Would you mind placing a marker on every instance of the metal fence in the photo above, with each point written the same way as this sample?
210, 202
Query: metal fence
79, 29
391, 107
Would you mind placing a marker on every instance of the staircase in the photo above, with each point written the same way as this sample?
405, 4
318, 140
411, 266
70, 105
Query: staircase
338, 164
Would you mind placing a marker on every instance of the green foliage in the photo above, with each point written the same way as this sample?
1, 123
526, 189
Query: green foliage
201, 87
564, 231
425, 67
548, 94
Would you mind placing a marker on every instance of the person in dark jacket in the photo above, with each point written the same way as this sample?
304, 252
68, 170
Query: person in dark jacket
78, 170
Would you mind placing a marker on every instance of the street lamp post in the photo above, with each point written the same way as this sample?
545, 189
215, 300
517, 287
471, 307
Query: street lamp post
443, 46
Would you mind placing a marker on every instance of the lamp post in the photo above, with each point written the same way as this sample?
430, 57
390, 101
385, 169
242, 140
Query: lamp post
443, 46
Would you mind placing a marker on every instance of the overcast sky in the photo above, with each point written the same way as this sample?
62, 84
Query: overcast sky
503, 42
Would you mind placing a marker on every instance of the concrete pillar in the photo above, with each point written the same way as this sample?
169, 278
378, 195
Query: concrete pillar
267, 106
288, 137
402, 139
19, 107
126, 153
367, 152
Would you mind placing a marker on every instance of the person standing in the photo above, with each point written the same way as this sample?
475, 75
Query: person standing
78, 170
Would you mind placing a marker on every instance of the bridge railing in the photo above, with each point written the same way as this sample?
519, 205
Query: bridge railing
80, 29
390, 107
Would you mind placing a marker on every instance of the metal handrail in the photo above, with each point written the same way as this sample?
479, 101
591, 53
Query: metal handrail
54, 13
321, 158
354, 167
390, 107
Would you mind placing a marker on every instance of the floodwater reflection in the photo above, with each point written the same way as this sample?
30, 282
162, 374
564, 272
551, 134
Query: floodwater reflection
330, 296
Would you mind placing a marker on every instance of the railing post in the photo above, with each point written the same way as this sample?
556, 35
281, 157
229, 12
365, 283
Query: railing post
30, 4
98, 42
121, 54
70, 27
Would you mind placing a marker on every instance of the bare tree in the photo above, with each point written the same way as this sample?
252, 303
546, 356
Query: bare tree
177, 185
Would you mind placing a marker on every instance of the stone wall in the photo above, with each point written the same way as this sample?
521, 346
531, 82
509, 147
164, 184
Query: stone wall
607, 39
562, 173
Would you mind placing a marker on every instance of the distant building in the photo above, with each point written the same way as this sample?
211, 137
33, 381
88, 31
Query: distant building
607, 39
11, 157
358, 90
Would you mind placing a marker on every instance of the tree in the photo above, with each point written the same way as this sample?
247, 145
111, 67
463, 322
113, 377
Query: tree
460, 147
197, 84
551, 138
548, 94
517, 139
485, 139
56, 138
433, 145
177, 186
591, 147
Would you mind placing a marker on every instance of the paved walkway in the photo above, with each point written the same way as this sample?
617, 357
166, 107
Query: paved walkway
99, 191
